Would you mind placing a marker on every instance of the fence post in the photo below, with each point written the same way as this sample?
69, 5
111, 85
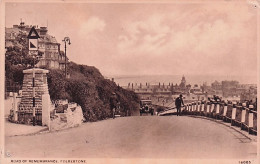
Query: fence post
250, 119
233, 117
194, 104
208, 108
225, 112
212, 107
217, 109
243, 115
199, 107
191, 108
202, 108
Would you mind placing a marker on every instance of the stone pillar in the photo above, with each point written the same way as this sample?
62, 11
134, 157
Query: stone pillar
15, 104
46, 108
25, 111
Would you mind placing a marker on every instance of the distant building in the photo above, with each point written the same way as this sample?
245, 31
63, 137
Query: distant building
216, 88
159, 90
52, 57
144, 92
183, 82
148, 91
182, 88
248, 93
230, 90
196, 90
10, 37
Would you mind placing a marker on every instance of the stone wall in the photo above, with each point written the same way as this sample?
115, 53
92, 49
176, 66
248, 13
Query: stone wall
71, 117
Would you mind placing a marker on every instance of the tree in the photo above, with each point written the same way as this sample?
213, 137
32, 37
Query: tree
17, 59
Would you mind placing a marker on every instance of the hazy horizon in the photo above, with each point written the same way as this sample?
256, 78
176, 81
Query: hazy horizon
123, 80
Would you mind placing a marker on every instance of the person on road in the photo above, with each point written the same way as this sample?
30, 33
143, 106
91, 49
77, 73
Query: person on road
178, 102
146, 107
113, 104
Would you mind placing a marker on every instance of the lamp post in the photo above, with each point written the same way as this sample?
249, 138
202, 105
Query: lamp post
66, 40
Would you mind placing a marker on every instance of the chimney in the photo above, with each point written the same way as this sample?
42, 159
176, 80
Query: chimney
43, 30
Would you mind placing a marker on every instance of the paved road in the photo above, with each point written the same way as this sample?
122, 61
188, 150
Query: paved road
140, 137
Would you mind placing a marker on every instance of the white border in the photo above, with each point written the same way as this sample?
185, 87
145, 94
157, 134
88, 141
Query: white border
93, 160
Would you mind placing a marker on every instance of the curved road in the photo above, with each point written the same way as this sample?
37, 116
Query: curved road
139, 137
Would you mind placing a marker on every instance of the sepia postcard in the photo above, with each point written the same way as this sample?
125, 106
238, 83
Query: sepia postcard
112, 81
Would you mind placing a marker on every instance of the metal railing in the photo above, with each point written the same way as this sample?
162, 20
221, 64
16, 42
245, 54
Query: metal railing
240, 115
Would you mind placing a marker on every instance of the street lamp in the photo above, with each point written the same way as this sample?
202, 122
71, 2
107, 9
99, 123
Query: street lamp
66, 40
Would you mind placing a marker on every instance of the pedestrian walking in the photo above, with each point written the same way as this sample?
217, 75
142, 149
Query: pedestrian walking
178, 103
113, 104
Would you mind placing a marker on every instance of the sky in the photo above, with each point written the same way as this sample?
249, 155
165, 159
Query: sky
151, 38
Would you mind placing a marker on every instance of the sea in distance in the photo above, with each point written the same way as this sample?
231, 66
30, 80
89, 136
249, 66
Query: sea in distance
123, 80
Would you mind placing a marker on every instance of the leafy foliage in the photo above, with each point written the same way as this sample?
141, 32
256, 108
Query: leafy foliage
86, 85
18, 53
91, 91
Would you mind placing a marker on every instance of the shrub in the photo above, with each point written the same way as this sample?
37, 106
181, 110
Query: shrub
88, 88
